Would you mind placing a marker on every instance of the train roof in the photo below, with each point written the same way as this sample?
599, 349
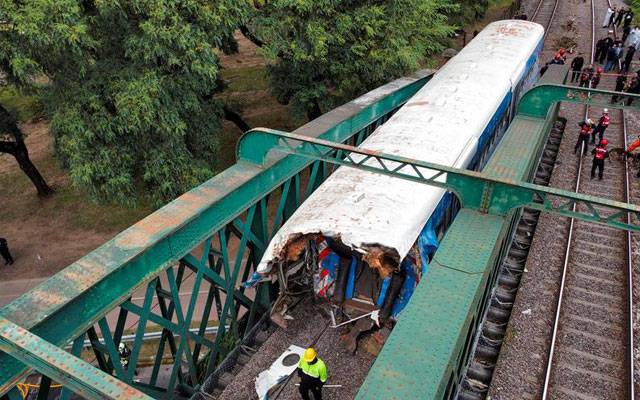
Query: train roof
441, 123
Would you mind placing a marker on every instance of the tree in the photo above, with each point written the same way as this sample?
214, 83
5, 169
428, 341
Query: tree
12, 142
324, 52
18, 67
130, 87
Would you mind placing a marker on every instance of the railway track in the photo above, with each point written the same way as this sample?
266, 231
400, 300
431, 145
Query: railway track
591, 352
490, 336
545, 13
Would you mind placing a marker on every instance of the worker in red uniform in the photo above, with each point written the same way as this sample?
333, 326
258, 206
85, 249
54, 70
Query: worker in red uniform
600, 153
586, 75
631, 148
583, 137
603, 124
563, 54
313, 374
595, 79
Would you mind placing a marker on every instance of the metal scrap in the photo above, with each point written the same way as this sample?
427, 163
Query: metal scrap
269, 380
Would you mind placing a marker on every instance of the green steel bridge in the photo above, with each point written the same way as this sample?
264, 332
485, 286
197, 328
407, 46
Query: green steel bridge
217, 232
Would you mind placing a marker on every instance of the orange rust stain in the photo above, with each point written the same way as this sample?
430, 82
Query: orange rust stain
47, 297
418, 103
509, 30
80, 274
138, 235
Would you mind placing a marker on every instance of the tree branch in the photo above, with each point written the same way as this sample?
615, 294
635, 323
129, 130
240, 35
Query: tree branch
237, 120
249, 35
8, 147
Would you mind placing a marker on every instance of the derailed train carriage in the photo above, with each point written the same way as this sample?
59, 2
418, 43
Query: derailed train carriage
363, 241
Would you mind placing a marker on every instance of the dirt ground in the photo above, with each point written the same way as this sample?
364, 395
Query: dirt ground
43, 234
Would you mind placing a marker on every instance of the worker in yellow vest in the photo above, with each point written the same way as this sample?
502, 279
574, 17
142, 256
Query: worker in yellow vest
313, 375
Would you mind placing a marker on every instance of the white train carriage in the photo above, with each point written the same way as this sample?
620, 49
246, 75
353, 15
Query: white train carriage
455, 120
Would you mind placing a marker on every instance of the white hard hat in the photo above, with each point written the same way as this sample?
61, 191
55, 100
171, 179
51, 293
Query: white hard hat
589, 121
121, 346
606, 110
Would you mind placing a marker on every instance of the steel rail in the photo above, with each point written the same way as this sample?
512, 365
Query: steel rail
629, 270
553, 14
556, 322
627, 193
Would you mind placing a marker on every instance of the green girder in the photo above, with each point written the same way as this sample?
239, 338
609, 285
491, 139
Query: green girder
80, 376
537, 101
475, 190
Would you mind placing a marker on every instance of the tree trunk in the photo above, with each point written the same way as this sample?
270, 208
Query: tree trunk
314, 112
22, 157
234, 117
18, 150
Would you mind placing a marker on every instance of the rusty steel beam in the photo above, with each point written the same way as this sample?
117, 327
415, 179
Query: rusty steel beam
62, 367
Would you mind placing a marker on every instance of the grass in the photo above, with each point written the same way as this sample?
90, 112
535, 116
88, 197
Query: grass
245, 79
98, 217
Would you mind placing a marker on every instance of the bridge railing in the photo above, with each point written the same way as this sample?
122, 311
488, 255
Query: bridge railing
188, 260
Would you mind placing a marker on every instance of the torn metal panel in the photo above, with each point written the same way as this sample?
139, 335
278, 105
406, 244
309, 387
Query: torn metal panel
268, 381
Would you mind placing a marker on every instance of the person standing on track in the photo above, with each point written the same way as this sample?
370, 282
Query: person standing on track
583, 136
599, 48
313, 374
613, 55
631, 148
604, 49
619, 17
634, 88
576, 67
628, 17
613, 17
603, 124
586, 75
4, 251
628, 58
600, 153
625, 32
620, 84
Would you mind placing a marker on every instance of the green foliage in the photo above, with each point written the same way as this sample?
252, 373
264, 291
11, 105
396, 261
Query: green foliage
131, 87
634, 5
469, 11
324, 52
25, 106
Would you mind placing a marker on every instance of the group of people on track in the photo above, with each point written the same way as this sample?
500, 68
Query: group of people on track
612, 51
